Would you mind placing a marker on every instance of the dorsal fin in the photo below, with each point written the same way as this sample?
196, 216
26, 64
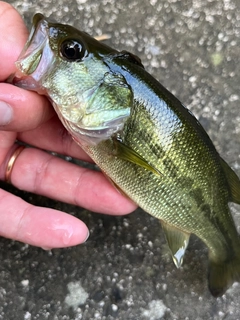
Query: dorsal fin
233, 182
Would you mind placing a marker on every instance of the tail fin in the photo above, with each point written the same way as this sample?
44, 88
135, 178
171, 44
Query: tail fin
222, 275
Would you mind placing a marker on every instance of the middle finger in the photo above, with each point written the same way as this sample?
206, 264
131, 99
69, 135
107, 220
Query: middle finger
39, 172
52, 136
34, 118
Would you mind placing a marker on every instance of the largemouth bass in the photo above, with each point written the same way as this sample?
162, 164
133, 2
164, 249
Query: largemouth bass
141, 136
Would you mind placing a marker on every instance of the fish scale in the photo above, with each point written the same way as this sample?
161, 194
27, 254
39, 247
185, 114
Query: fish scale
149, 145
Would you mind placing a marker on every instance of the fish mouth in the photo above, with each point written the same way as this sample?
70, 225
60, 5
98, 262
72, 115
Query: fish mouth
36, 58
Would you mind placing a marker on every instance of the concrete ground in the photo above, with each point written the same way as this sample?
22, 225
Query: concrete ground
124, 271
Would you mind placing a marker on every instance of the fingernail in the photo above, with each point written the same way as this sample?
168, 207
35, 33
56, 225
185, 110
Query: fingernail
86, 237
46, 248
6, 113
72, 236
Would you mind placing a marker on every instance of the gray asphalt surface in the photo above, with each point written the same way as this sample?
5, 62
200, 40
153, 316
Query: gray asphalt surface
123, 271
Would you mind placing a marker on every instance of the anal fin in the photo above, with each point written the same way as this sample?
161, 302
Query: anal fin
177, 241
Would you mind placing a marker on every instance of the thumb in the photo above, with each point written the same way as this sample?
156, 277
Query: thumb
11, 41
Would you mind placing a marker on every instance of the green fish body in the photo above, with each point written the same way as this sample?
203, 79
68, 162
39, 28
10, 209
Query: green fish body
150, 146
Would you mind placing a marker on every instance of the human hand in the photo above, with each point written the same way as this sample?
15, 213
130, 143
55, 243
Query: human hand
28, 117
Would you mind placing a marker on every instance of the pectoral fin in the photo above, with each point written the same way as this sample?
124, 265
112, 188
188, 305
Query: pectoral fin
233, 182
177, 241
126, 153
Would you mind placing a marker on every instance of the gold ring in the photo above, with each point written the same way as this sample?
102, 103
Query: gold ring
11, 162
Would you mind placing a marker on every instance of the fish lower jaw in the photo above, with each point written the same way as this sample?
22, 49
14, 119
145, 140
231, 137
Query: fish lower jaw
27, 83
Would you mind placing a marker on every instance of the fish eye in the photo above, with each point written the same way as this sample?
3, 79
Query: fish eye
72, 50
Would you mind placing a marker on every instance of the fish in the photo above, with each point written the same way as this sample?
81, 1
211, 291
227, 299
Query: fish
149, 145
